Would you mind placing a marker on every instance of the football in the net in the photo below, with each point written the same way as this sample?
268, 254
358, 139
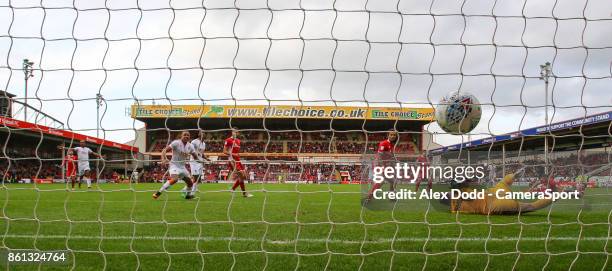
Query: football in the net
458, 112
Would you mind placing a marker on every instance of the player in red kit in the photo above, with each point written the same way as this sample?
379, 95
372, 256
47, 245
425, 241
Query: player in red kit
231, 148
385, 158
423, 163
70, 165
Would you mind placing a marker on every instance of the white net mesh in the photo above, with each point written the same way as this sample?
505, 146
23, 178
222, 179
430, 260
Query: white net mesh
104, 68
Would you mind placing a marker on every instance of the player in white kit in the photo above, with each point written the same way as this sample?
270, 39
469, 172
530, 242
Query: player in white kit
196, 166
135, 176
252, 177
83, 169
181, 151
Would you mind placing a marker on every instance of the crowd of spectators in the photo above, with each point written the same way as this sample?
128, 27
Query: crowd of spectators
569, 166
16, 169
266, 171
22, 163
269, 169
294, 142
43, 161
39, 162
309, 147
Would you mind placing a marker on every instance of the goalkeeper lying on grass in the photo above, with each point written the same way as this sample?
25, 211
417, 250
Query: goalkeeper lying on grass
493, 205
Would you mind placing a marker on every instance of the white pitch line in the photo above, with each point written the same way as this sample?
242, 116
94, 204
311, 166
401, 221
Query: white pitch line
285, 242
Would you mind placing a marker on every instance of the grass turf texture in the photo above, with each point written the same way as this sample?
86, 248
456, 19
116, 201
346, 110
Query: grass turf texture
307, 227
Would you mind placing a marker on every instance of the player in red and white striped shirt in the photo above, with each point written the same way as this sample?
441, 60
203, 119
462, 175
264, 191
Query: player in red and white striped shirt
231, 148
385, 157
70, 165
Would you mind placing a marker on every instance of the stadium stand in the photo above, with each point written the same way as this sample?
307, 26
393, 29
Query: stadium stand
32, 154
578, 149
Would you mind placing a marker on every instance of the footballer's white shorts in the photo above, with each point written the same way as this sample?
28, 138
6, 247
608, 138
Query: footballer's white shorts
82, 168
181, 171
196, 168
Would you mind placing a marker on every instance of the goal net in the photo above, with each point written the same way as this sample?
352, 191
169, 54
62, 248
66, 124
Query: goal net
311, 89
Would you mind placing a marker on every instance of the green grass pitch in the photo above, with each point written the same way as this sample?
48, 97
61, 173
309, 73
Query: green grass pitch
292, 227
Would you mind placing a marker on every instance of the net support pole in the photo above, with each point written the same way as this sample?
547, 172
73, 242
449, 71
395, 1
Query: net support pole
469, 139
545, 73
28, 72
503, 159
63, 168
469, 158
125, 165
